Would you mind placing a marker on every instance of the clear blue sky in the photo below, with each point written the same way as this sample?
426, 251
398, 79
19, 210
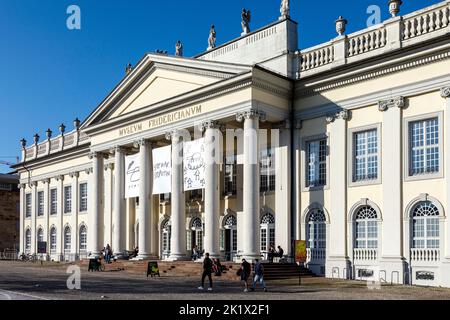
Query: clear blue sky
51, 75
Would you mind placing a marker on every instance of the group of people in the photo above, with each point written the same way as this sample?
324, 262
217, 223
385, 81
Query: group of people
245, 272
272, 253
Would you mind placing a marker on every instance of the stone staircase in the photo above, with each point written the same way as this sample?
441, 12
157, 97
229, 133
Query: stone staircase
272, 271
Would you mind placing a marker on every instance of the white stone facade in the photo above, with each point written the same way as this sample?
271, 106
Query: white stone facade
356, 165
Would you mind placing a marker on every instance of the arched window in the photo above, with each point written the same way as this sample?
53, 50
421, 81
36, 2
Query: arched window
53, 240
40, 235
197, 233
229, 236
166, 230
267, 231
67, 238
316, 229
28, 240
83, 238
366, 226
425, 226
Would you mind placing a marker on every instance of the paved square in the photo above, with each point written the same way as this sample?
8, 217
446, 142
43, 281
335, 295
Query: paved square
31, 281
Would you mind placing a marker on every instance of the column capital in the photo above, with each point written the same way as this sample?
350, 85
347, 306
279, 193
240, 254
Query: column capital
118, 149
109, 166
75, 174
251, 114
60, 177
22, 185
210, 124
33, 184
445, 92
298, 124
398, 102
96, 154
88, 170
285, 124
342, 114
46, 181
172, 135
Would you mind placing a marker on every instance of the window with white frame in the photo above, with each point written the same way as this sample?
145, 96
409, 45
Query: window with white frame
365, 155
230, 177
28, 205
366, 226
83, 238
83, 197
316, 162
53, 201
40, 203
67, 239
40, 235
424, 146
166, 236
425, 226
267, 171
267, 231
67, 199
316, 230
53, 240
28, 240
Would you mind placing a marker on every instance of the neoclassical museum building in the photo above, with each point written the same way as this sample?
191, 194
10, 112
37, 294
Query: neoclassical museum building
353, 159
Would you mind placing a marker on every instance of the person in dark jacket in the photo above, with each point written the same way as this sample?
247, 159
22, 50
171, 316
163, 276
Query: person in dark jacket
245, 272
207, 270
280, 252
259, 275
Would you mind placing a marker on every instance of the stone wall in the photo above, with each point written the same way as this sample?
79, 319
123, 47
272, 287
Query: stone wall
9, 219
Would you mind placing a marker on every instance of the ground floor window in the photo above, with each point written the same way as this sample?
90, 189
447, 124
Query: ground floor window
53, 240
195, 236
366, 226
67, 239
83, 238
267, 232
28, 240
165, 236
425, 226
316, 230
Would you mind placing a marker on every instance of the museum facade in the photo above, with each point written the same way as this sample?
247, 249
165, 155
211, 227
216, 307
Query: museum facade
349, 155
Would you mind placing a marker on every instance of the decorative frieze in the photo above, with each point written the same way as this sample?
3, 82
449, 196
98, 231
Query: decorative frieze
445, 92
251, 114
398, 102
343, 114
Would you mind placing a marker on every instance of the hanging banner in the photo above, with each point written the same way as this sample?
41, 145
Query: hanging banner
300, 251
194, 164
132, 176
162, 170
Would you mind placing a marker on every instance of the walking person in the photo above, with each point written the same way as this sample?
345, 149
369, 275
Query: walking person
259, 275
207, 270
245, 272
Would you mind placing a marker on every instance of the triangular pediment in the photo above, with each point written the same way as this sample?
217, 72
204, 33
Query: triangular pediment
158, 78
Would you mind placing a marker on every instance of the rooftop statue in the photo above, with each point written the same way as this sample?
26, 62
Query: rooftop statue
212, 38
285, 9
246, 16
179, 49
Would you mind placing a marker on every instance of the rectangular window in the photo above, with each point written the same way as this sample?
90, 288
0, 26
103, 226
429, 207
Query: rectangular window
263, 240
230, 177
267, 171
68, 199
365, 155
83, 197
40, 200
424, 146
54, 201
316, 157
28, 205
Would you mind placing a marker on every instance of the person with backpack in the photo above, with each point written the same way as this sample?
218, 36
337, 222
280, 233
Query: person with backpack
259, 275
207, 270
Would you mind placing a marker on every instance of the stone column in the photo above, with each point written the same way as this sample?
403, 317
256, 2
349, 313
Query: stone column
22, 218
445, 93
338, 258
296, 182
212, 189
95, 191
391, 251
281, 145
177, 202
74, 217
34, 204
251, 195
145, 203
119, 213
60, 217
47, 215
